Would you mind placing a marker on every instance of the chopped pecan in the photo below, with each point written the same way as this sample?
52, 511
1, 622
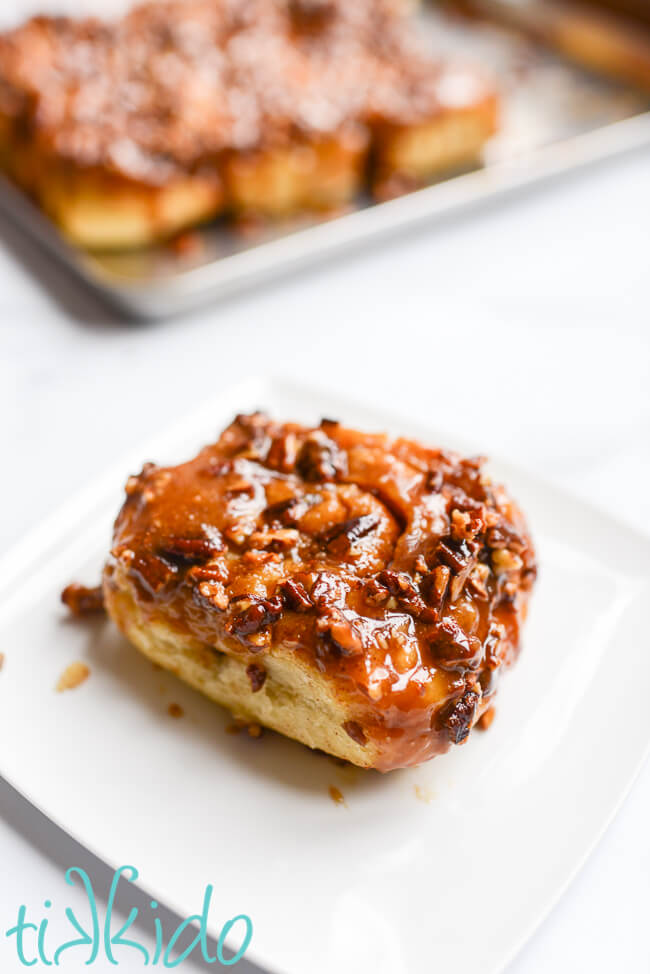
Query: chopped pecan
215, 593
254, 441
491, 645
282, 455
457, 555
421, 565
398, 584
258, 614
238, 532
214, 571
503, 535
477, 580
434, 480
401, 587
505, 562
279, 540
435, 585
488, 680
258, 640
375, 593
339, 538
217, 466
132, 485
153, 571
355, 731
458, 717
294, 595
453, 649
466, 525
191, 551
82, 600
319, 458
257, 676
288, 512
255, 557
461, 558
135, 483
341, 632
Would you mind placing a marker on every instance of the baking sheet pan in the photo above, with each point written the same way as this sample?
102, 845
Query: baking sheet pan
555, 118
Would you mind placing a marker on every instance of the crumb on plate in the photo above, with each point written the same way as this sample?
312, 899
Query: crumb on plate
81, 600
336, 795
73, 676
424, 794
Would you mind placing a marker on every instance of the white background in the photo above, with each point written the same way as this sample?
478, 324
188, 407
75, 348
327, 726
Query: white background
524, 326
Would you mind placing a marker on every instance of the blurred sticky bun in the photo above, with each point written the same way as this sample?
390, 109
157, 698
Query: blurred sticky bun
128, 132
609, 37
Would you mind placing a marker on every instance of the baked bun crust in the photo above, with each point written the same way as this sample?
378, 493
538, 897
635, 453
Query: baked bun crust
358, 593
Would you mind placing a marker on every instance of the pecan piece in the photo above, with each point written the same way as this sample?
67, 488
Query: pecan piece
340, 538
191, 551
401, 587
466, 525
286, 512
504, 536
493, 658
256, 616
375, 593
282, 455
435, 585
477, 580
252, 441
461, 558
257, 676
434, 481
294, 595
452, 649
398, 584
505, 561
319, 458
215, 593
82, 600
281, 539
458, 717
457, 556
154, 572
340, 633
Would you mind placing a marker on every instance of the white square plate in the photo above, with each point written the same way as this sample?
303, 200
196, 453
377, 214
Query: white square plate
389, 883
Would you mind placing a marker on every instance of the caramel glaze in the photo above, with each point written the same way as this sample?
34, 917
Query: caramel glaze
174, 86
398, 572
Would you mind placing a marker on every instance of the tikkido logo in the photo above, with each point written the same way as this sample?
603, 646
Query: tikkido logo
98, 937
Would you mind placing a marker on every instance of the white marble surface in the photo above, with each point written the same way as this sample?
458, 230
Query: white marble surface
525, 325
